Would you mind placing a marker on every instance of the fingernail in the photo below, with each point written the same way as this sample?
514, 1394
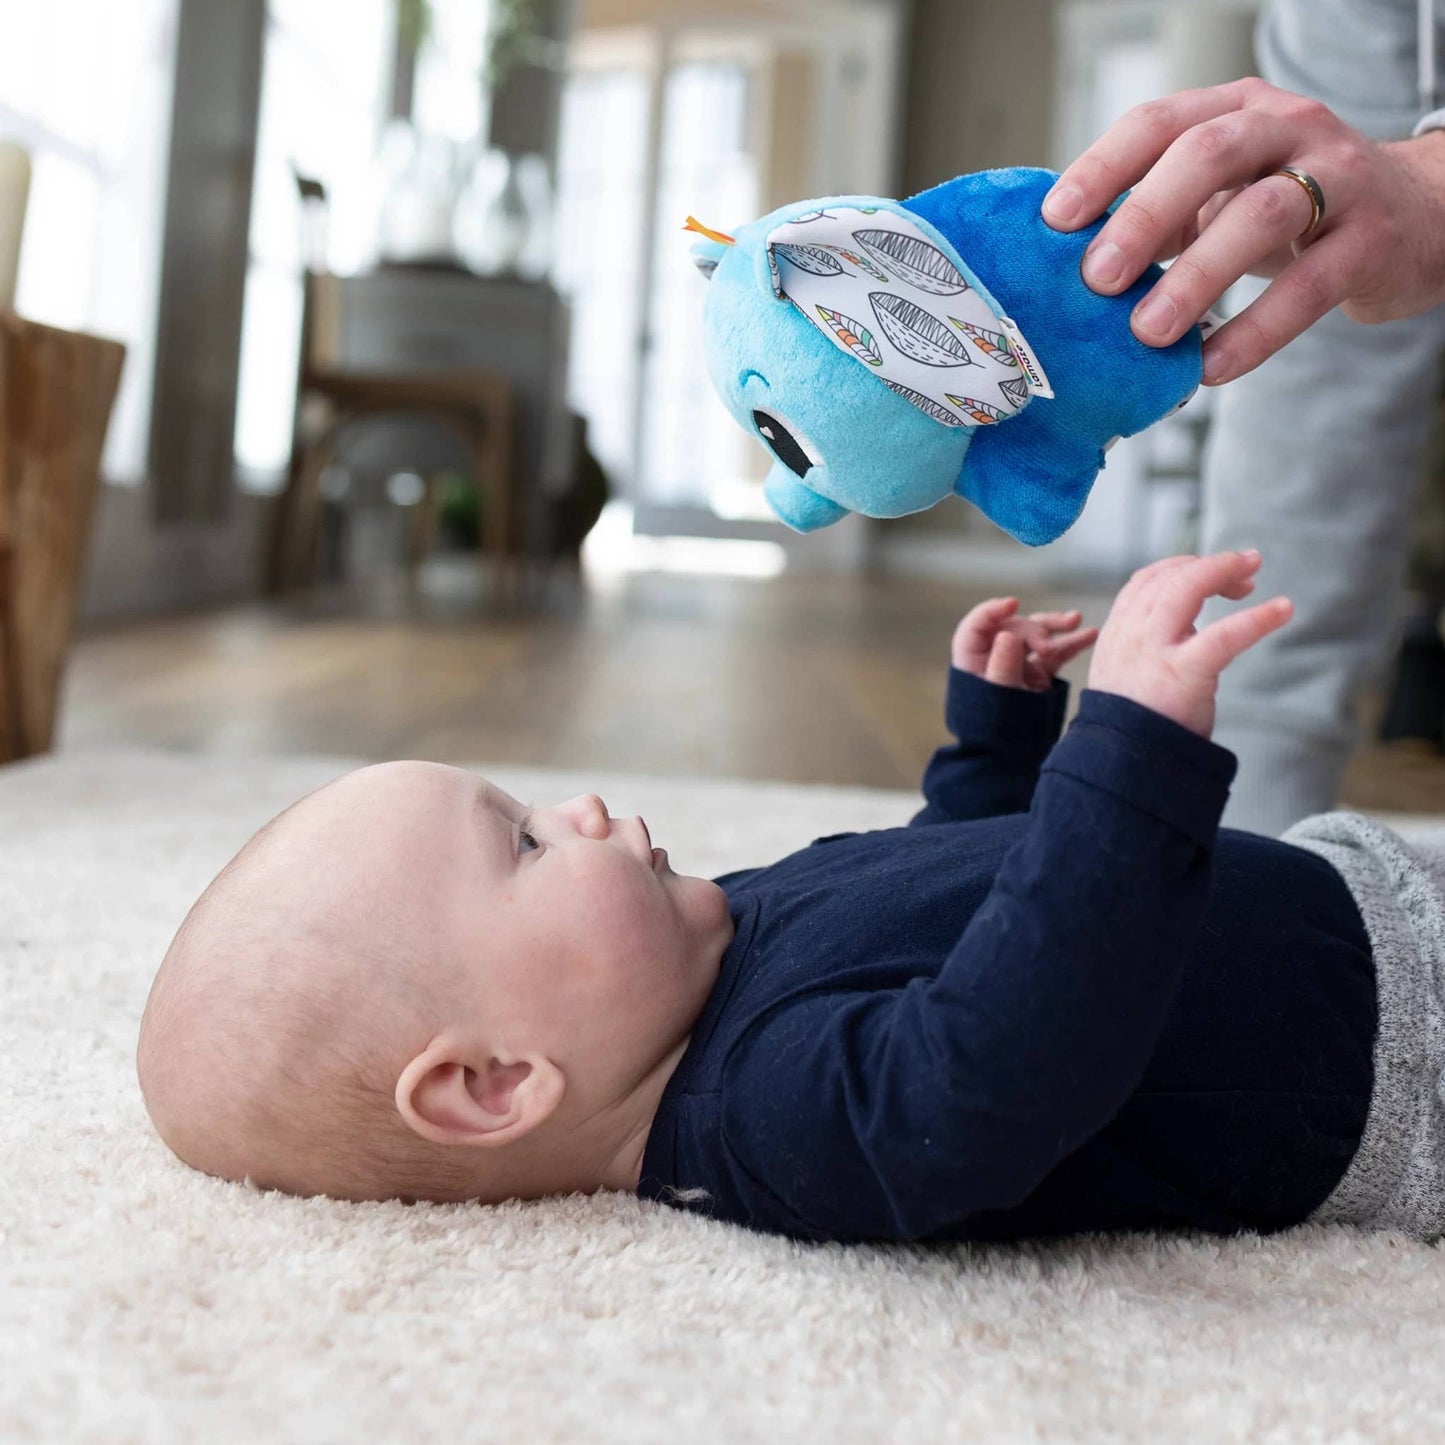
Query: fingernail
1216, 368
1155, 314
1062, 203
1104, 264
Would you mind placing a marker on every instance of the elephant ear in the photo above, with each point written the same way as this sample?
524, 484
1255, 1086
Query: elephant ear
895, 296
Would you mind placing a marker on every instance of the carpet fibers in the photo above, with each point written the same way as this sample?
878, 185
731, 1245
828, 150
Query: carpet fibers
140, 1301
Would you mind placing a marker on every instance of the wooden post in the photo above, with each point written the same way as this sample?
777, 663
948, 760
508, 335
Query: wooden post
56, 392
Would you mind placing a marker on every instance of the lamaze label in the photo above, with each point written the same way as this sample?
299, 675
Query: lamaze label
1033, 372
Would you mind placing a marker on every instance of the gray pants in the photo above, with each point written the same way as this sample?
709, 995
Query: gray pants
1397, 1177
1315, 457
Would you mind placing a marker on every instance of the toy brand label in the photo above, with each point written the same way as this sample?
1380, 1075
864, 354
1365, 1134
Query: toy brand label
1033, 372
1209, 323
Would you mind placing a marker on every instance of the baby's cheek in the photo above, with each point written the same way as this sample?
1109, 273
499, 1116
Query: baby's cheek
637, 931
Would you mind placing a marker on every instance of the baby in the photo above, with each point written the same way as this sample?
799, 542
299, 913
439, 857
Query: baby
1061, 999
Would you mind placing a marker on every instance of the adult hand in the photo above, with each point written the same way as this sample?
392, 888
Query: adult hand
993, 643
1149, 650
1202, 166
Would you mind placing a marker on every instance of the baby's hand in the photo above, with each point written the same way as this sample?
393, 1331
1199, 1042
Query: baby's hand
994, 644
1149, 650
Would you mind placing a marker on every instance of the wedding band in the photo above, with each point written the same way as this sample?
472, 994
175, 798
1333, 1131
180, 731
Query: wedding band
1312, 189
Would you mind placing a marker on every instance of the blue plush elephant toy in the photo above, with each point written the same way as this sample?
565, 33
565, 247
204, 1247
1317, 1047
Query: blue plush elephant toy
891, 353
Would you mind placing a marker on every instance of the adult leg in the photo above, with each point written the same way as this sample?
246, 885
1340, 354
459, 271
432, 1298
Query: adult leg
1314, 459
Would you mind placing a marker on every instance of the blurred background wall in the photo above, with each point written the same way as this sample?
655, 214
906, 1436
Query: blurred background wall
523, 164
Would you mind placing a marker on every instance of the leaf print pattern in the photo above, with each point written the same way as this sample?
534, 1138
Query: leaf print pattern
815, 260
925, 404
991, 343
919, 262
858, 339
1017, 391
917, 334
956, 360
861, 262
980, 411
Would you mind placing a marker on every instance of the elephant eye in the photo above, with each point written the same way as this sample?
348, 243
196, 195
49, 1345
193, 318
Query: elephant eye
782, 443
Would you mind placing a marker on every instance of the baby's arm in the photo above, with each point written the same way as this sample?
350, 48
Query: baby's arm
1004, 707
896, 1113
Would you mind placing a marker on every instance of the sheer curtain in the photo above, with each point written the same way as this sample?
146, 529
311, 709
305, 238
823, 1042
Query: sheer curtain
689, 444
601, 172
85, 86
323, 106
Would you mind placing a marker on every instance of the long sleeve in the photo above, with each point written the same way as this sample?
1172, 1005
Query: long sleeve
895, 1113
1001, 737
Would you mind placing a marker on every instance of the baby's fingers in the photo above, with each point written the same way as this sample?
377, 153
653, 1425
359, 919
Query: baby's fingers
974, 635
1063, 649
1056, 621
1178, 589
1221, 642
1006, 660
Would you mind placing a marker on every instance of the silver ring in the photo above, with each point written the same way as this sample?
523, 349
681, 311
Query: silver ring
1313, 190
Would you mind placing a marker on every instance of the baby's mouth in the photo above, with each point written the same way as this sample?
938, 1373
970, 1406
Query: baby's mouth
659, 858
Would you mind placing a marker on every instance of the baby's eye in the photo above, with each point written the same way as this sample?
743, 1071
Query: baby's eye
526, 842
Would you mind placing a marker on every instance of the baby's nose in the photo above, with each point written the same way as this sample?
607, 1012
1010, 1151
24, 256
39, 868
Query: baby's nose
591, 814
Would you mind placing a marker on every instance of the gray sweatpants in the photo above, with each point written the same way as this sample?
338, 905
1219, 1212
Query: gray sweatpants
1315, 457
1397, 1177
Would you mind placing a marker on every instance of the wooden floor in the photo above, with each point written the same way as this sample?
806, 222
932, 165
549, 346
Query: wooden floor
801, 679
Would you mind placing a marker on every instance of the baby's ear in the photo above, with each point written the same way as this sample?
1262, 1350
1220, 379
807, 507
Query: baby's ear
496, 1101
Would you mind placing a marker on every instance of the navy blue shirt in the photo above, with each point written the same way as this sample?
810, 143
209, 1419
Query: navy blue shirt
1062, 999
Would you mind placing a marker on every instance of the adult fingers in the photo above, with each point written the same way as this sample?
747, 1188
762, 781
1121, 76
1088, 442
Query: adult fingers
1221, 642
1254, 226
1126, 151
1006, 660
1316, 282
1222, 152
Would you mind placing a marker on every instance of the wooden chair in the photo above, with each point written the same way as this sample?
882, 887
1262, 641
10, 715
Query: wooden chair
475, 407
56, 393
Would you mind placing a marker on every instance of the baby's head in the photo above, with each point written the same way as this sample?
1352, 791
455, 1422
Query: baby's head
408, 985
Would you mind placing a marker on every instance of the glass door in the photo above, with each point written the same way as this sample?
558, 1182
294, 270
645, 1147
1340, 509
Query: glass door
663, 122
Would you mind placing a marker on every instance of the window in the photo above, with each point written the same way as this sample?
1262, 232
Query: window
85, 86
601, 172
323, 104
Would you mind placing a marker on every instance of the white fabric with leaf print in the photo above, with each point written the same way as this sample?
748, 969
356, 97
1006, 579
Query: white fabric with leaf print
882, 291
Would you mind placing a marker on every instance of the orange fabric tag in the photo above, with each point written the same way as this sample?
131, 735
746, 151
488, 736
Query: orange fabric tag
693, 224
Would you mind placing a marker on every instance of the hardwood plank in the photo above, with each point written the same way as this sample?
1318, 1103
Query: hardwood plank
799, 679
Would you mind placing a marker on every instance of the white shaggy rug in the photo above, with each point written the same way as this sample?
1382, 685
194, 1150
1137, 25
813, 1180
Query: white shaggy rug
140, 1301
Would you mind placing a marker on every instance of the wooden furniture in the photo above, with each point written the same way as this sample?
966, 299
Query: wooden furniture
474, 405
56, 392
411, 320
